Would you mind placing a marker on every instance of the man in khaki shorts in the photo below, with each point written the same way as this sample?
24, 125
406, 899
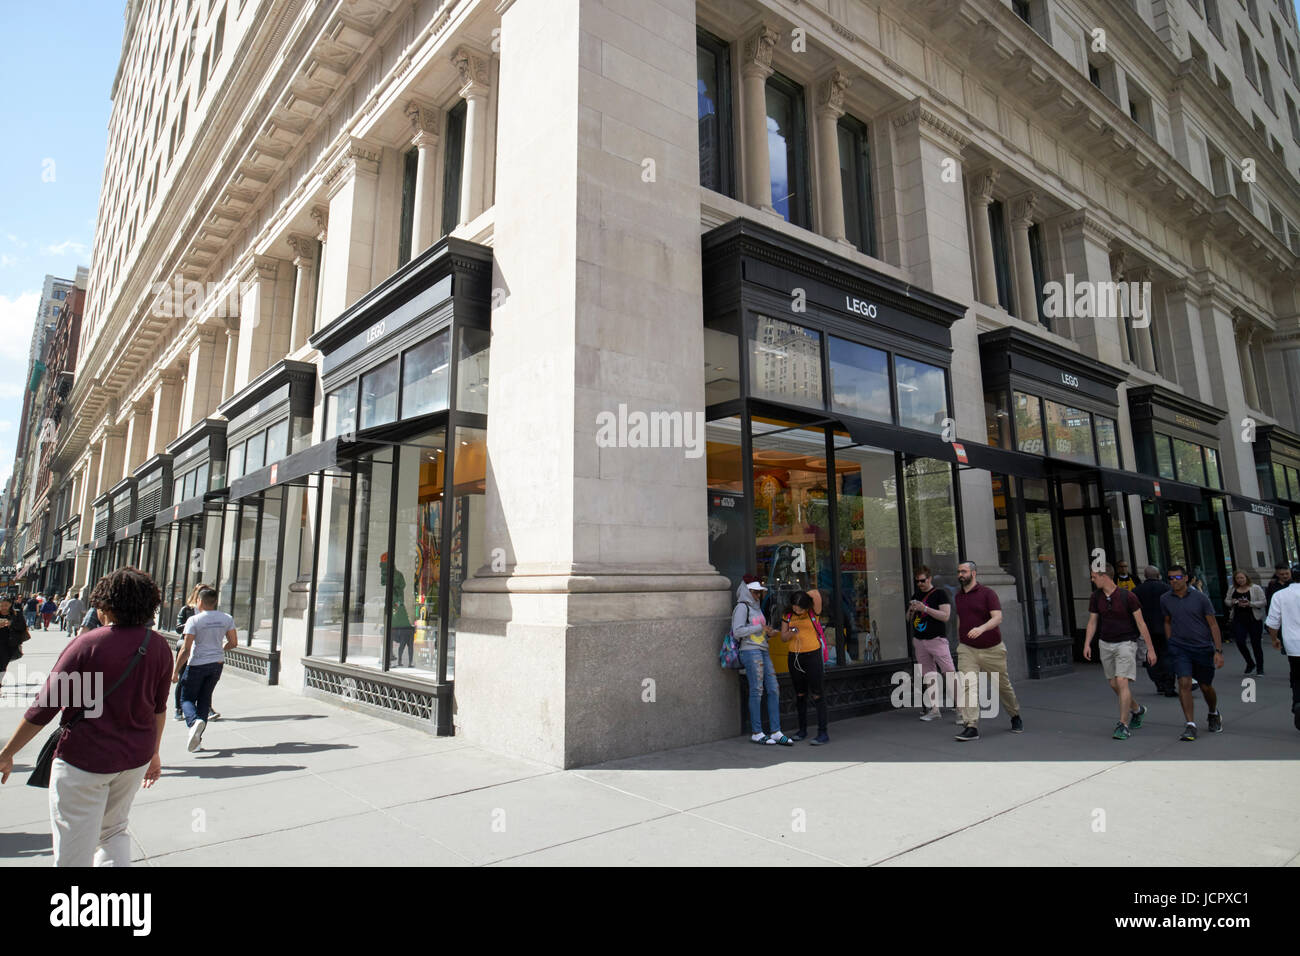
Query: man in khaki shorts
1117, 614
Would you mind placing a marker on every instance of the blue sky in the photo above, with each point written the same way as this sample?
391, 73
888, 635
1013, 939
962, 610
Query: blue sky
56, 72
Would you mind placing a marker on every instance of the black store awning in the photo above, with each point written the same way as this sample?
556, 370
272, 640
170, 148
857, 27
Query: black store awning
324, 456
1252, 506
187, 508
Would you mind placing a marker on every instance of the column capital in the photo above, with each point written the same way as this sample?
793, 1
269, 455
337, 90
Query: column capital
756, 60
930, 123
168, 377
1023, 208
473, 67
257, 267
1243, 326
320, 215
143, 405
304, 250
354, 157
1086, 222
203, 335
830, 93
982, 182
424, 124
1118, 264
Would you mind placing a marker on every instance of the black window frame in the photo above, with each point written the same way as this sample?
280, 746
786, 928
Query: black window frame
720, 50
800, 177
864, 183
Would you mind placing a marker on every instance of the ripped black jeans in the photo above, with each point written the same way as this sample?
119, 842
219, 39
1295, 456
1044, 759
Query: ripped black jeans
806, 673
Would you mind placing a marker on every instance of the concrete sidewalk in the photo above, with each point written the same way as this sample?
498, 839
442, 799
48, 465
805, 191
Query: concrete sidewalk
286, 780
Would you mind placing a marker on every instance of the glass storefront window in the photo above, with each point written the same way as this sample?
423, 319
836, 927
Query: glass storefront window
255, 452
922, 395
368, 573
1279, 480
263, 580
237, 461
1188, 462
201, 479
931, 517
191, 483
1293, 479
229, 538
1044, 590
859, 380
1213, 479
1069, 433
721, 367
241, 608
1164, 457
277, 441
1029, 424
379, 395
341, 411
331, 565
728, 538
467, 551
1107, 442
472, 370
873, 600
417, 549
997, 418
785, 362
1118, 511
425, 374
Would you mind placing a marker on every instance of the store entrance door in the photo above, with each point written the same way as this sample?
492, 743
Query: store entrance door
1194, 536
1086, 530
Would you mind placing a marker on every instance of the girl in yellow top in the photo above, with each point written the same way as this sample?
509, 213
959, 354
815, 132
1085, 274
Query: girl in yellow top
807, 669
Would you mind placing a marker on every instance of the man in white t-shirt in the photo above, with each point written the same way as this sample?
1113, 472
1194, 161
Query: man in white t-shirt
1283, 623
208, 635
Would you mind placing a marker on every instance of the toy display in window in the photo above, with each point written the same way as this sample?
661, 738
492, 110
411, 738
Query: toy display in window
401, 629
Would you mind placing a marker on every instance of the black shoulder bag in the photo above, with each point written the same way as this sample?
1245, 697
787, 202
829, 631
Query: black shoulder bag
41, 771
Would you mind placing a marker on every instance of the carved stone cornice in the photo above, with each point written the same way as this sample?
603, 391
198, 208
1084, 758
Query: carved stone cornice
757, 55
264, 268
355, 157
473, 67
1023, 208
1092, 227
981, 184
168, 378
927, 118
830, 93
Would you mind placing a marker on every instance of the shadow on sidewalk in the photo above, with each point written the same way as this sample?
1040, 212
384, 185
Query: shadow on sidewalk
265, 717
286, 748
18, 845
225, 771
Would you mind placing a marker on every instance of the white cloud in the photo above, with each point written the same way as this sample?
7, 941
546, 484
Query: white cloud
6, 425
7, 260
63, 248
17, 317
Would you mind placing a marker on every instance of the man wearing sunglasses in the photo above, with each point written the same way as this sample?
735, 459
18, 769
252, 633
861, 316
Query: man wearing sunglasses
1195, 647
927, 616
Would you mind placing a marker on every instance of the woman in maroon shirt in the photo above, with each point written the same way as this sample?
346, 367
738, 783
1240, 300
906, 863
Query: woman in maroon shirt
101, 761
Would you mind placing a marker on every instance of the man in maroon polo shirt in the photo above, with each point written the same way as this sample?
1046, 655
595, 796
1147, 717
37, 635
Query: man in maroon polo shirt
981, 650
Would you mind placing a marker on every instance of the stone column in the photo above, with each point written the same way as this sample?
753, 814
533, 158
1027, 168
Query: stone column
304, 294
166, 411
830, 107
353, 183
86, 530
1189, 352
1117, 270
232, 361
607, 599
755, 69
1244, 329
474, 77
203, 380
981, 197
321, 216
110, 460
1022, 217
424, 126
264, 320
1144, 334
137, 436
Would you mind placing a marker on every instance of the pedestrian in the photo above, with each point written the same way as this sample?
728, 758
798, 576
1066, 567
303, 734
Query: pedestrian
927, 616
208, 635
13, 632
32, 608
750, 628
801, 630
1195, 647
1281, 579
1115, 616
74, 608
1246, 603
1148, 594
100, 762
981, 651
1284, 628
91, 620
48, 609
1122, 578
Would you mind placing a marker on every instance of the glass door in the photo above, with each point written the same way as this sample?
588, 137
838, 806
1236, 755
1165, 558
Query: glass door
1043, 596
1086, 528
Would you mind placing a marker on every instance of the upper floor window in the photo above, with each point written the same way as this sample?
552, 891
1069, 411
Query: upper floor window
713, 98
787, 150
855, 182
454, 159
410, 169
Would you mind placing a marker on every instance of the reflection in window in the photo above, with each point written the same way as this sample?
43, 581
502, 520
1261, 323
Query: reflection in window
331, 564
341, 411
417, 548
472, 372
997, 419
1279, 480
787, 150
1212, 476
1164, 457
1029, 424
922, 395
241, 607
454, 159
277, 441
855, 184
368, 572
721, 367
425, 371
932, 517
785, 362
237, 461
859, 380
1107, 442
263, 579
728, 537
467, 552
1188, 461
712, 76
379, 395
255, 453
1069, 433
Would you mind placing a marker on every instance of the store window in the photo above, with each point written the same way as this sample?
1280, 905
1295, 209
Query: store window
855, 184
341, 411
922, 395
1279, 481
262, 581
277, 441
1069, 433
467, 550
722, 366
785, 362
255, 452
417, 566
997, 418
1164, 456
713, 86
331, 567
729, 545
932, 517
859, 380
787, 150
1213, 478
236, 461
1188, 462
368, 572
1029, 423
379, 395
1107, 442
241, 607
473, 367
425, 376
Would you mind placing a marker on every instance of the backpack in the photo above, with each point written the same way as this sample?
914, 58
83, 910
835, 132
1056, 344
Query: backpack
729, 656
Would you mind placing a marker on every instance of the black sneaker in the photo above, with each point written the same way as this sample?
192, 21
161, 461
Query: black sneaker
1296, 712
970, 733
1216, 723
1189, 732
1017, 725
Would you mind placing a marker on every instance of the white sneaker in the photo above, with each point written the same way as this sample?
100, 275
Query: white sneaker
196, 734
931, 715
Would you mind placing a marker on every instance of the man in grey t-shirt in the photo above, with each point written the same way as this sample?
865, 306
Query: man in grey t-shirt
1195, 647
208, 635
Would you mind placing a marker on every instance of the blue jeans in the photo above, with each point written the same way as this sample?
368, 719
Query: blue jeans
31, 619
757, 662
197, 684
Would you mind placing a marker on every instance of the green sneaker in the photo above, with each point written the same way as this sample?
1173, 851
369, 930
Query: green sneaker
1136, 720
1121, 732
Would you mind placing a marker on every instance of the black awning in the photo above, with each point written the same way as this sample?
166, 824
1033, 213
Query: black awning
323, 456
187, 508
1265, 509
1003, 462
1134, 483
135, 527
893, 438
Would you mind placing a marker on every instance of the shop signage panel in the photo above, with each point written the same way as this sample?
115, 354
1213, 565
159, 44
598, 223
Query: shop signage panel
1265, 509
1064, 378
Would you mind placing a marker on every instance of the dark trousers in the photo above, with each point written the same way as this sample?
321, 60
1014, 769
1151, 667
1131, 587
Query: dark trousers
806, 673
1295, 683
1247, 633
1160, 673
196, 690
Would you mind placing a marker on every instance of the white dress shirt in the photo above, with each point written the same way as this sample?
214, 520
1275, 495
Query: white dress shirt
1284, 614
